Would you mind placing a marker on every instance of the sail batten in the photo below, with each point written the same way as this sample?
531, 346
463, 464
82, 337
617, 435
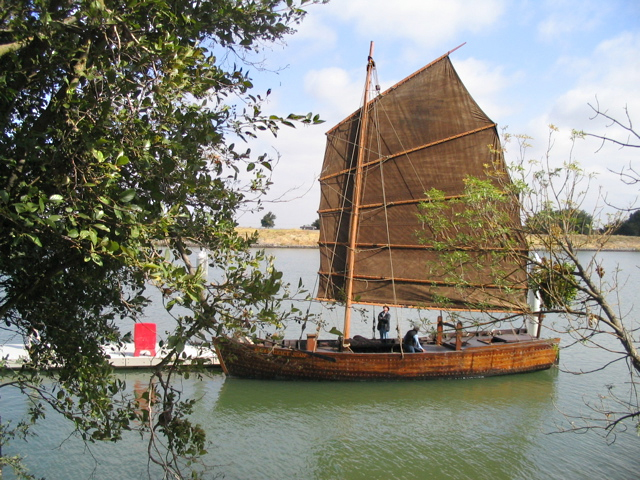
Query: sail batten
372, 278
430, 247
406, 152
392, 204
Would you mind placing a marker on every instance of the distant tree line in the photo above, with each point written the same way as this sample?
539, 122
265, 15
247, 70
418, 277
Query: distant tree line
630, 227
315, 225
569, 220
580, 222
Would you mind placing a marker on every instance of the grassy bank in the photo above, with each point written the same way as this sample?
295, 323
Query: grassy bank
294, 237
282, 237
613, 243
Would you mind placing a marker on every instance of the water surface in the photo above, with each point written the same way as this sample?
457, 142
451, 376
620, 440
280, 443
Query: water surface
493, 428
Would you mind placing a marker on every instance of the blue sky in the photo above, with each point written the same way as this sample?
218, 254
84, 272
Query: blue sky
527, 63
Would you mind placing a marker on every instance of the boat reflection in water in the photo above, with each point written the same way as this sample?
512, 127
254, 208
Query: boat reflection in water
440, 429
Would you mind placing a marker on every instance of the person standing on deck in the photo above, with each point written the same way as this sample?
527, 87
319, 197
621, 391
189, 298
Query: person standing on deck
384, 322
411, 342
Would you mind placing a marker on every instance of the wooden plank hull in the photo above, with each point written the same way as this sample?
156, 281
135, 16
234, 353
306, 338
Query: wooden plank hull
277, 363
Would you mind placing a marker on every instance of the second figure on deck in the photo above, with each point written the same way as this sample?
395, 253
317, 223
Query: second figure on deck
411, 341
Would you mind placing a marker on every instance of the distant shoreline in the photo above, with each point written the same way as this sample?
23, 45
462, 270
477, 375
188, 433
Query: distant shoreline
283, 237
298, 238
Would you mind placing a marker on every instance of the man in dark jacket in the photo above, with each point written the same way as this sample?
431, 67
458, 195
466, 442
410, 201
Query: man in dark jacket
384, 321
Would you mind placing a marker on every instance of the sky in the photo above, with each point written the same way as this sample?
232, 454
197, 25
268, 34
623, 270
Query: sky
527, 63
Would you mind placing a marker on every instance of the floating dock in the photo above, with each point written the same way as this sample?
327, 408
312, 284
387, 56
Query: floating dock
15, 356
143, 353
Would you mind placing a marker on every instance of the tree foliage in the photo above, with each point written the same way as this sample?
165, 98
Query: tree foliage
122, 129
269, 220
571, 282
469, 255
571, 220
630, 226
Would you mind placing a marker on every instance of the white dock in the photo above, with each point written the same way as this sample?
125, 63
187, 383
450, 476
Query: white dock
14, 356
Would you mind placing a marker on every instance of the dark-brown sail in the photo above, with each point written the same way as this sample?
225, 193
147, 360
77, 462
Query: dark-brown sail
424, 132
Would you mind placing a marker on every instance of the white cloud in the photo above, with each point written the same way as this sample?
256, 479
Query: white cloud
294, 195
609, 75
313, 29
566, 17
336, 90
426, 23
486, 84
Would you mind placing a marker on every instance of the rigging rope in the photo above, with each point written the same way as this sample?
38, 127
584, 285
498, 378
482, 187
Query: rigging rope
375, 117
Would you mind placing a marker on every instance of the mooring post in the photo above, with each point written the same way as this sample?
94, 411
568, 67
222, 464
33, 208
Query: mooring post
459, 336
540, 318
312, 342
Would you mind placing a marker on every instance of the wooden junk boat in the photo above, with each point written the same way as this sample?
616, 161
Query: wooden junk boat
424, 132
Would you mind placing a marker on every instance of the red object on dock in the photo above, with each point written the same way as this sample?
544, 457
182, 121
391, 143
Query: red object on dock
144, 338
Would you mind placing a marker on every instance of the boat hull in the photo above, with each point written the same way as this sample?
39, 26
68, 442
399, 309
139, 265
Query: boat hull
276, 363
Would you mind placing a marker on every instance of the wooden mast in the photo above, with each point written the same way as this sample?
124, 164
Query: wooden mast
357, 189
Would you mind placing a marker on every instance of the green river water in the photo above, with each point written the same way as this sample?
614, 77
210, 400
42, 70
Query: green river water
492, 428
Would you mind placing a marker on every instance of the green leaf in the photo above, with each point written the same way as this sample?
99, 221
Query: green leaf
122, 160
98, 155
113, 246
127, 195
35, 239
